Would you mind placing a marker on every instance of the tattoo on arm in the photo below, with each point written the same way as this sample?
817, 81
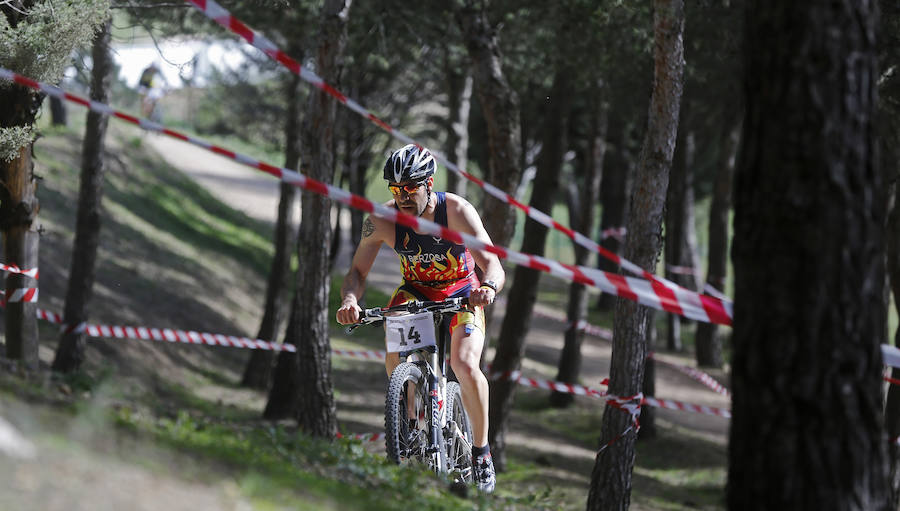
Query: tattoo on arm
368, 228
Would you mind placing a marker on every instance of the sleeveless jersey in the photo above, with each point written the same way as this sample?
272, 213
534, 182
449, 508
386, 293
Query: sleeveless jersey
431, 262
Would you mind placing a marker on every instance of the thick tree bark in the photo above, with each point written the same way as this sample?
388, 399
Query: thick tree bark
18, 211
258, 371
459, 101
889, 130
511, 344
807, 427
709, 343
499, 105
305, 376
611, 477
70, 350
582, 220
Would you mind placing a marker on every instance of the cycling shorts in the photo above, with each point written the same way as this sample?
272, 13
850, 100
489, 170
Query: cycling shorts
468, 320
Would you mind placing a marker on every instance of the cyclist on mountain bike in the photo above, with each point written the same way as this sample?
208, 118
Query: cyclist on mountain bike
434, 269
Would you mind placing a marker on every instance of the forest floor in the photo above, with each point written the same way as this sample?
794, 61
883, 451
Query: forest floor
166, 263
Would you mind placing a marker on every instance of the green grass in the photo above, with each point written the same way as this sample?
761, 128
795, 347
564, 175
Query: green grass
170, 253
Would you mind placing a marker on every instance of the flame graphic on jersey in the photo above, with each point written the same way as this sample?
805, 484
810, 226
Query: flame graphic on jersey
406, 240
432, 270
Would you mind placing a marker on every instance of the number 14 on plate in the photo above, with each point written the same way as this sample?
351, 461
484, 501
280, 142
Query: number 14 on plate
409, 332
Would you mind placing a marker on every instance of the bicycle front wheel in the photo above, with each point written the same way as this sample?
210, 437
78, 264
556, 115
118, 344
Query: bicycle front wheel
458, 436
405, 420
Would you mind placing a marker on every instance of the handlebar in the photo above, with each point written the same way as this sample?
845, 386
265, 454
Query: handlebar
376, 315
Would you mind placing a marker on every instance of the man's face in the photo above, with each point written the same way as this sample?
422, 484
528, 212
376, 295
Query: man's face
411, 196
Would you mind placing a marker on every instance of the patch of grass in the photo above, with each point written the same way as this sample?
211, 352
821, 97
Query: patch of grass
275, 466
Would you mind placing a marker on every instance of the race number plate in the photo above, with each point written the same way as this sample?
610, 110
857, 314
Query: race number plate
409, 332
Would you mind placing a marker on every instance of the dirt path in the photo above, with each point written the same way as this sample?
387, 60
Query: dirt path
361, 384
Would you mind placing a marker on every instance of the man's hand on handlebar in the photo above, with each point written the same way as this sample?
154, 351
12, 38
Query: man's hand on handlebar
349, 311
482, 296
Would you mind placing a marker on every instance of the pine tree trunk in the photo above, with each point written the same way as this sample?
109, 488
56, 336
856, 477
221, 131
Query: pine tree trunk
807, 427
18, 211
258, 372
614, 200
58, 113
709, 343
611, 477
680, 237
82, 272
511, 343
459, 101
499, 105
889, 129
305, 376
569, 366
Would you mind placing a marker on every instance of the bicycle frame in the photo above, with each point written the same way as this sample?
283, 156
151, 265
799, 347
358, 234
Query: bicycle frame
437, 381
432, 361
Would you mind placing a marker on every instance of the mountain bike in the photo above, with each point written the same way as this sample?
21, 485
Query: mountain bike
424, 417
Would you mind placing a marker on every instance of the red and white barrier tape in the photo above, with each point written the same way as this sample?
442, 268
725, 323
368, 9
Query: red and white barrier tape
613, 232
605, 333
11, 268
650, 293
163, 334
682, 270
224, 18
711, 291
25, 295
631, 405
696, 375
362, 354
891, 355
558, 386
686, 407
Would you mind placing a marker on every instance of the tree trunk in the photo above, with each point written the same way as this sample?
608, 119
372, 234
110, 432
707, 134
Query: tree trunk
611, 477
582, 220
258, 371
511, 344
807, 427
58, 112
305, 376
889, 128
680, 234
358, 156
18, 211
709, 343
70, 350
459, 101
648, 415
615, 190
499, 105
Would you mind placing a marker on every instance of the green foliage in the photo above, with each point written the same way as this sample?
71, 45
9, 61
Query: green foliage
277, 467
13, 138
258, 118
39, 45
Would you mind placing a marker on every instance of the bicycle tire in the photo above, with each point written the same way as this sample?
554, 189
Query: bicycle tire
404, 439
458, 437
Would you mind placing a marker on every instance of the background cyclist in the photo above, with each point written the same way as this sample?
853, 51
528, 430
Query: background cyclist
434, 269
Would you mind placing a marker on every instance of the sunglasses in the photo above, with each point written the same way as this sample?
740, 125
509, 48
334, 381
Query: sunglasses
409, 189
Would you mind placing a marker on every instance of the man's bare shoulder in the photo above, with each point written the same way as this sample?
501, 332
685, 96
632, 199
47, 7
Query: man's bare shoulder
378, 229
461, 214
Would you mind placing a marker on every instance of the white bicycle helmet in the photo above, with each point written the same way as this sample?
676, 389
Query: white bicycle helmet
409, 163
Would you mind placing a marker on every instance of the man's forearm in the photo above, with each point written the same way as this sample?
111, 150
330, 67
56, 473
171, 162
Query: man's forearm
353, 286
494, 272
